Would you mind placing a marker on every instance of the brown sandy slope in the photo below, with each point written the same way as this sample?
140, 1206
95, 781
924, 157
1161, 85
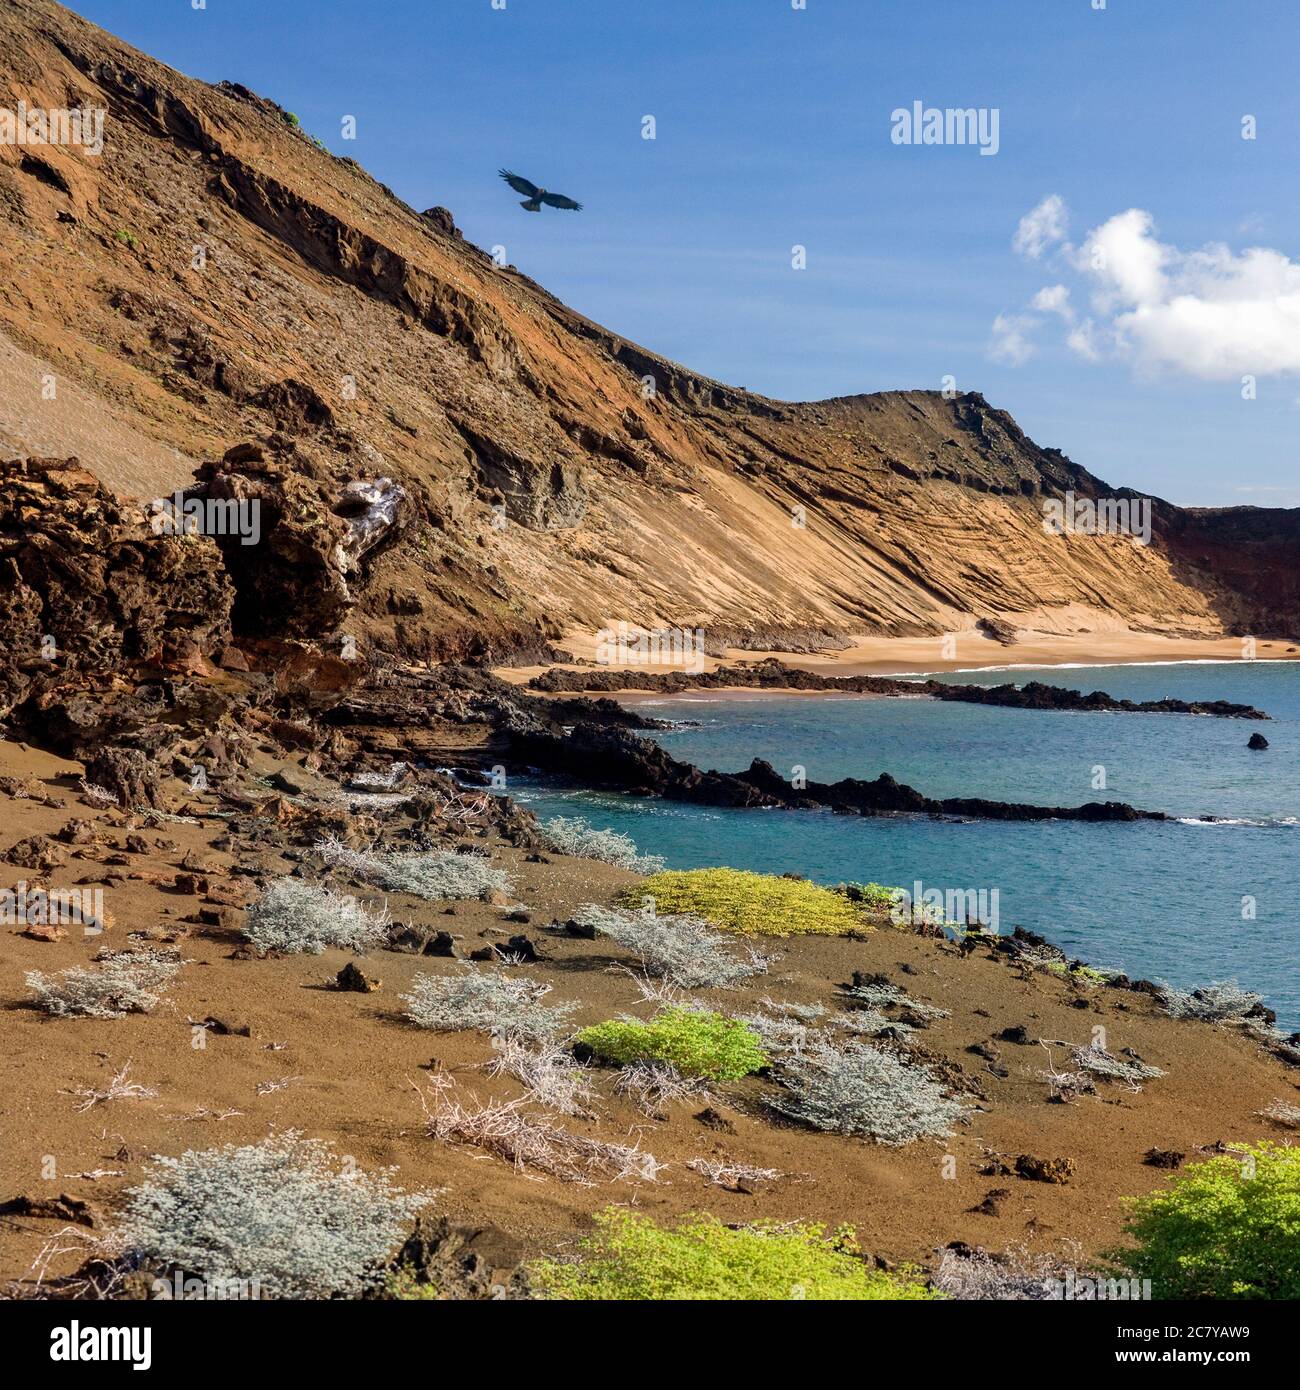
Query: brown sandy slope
478, 389
358, 1067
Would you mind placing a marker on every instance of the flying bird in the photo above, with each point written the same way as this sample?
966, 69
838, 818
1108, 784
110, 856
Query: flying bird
537, 196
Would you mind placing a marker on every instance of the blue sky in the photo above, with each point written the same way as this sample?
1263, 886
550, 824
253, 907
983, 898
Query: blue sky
773, 129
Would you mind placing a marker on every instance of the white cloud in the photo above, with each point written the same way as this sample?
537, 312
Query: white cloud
1044, 226
1082, 339
1054, 299
1010, 342
1211, 313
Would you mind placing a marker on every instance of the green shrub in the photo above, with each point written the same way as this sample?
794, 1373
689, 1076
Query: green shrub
629, 1257
694, 1041
1225, 1228
747, 902
874, 896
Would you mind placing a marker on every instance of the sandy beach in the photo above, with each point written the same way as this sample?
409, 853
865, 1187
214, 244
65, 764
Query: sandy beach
962, 651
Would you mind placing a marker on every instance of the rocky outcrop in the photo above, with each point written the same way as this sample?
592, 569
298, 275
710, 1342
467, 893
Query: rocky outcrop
291, 540
615, 758
89, 587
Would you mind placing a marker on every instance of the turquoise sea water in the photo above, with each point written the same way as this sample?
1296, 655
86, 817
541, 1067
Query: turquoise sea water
1166, 901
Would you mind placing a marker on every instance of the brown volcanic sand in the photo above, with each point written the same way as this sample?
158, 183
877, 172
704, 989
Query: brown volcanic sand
359, 1068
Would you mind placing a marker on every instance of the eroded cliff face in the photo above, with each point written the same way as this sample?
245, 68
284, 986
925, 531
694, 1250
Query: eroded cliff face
215, 279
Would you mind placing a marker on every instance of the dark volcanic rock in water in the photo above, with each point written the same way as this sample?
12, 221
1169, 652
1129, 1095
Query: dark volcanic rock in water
1257, 741
771, 674
612, 757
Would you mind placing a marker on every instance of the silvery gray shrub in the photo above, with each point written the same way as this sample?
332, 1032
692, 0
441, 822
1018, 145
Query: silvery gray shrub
576, 836
116, 984
287, 1216
433, 874
299, 918
684, 950
486, 999
854, 1088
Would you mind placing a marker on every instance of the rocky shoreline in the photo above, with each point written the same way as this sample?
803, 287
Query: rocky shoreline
774, 675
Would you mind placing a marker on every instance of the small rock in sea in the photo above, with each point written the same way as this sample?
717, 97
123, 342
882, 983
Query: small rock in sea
352, 980
1057, 1170
1164, 1158
1257, 741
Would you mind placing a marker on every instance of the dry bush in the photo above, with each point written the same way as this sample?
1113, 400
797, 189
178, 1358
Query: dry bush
534, 1141
883, 996
731, 1175
653, 1085
287, 1216
552, 1077
1282, 1112
118, 1088
1223, 1001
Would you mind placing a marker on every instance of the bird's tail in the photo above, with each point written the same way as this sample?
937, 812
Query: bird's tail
531, 205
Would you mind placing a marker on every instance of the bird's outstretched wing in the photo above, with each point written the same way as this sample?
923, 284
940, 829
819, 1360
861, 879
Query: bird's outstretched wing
558, 200
520, 185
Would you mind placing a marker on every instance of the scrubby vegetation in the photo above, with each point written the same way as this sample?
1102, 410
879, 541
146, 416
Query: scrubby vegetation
436, 875
1225, 1228
676, 947
578, 837
1224, 1001
874, 896
855, 1088
535, 1141
1015, 1276
630, 1257
118, 983
652, 1086
487, 999
298, 918
694, 1042
757, 904
287, 1216
881, 996
551, 1076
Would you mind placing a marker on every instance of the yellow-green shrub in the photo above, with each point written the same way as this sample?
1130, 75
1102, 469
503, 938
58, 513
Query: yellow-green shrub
629, 1257
694, 1041
1225, 1228
751, 903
